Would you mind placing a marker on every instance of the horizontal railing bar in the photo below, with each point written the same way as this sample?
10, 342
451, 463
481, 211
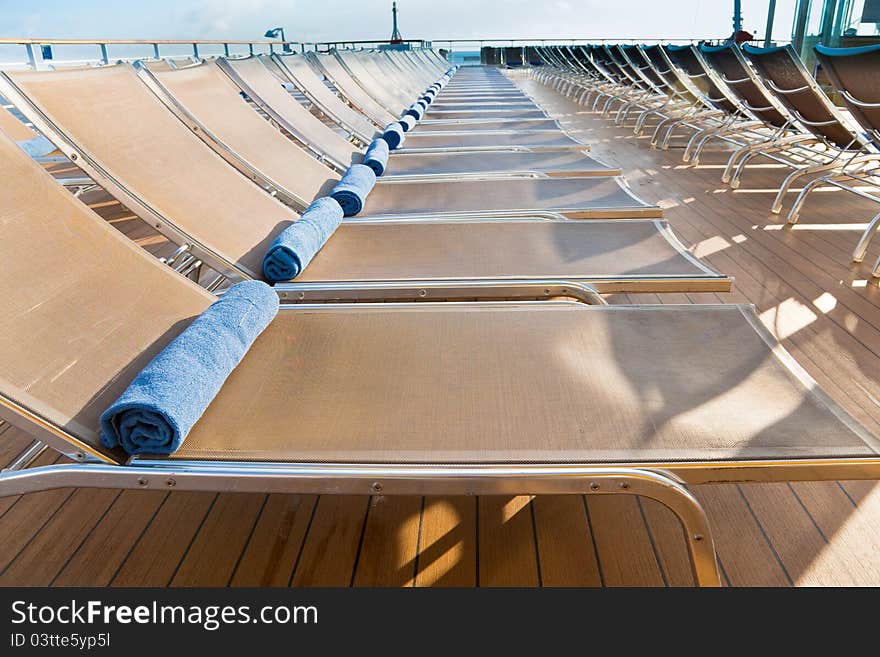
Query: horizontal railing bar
149, 42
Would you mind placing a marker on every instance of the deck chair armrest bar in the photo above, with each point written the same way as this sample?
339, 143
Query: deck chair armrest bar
433, 290
855, 101
780, 90
815, 124
587, 291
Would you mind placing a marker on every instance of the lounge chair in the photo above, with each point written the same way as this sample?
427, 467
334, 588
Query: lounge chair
785, 75
472, 136
787, 143
254, 78
229, 228
296, 70
486, 399
360, 92
265, 156
854, 74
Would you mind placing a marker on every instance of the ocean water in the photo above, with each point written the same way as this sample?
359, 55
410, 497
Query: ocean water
465, 57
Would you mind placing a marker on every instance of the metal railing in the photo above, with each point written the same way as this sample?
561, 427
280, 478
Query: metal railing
37, 53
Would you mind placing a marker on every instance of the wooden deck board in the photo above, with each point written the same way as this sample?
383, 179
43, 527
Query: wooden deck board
448, 542
825, 310
276, 542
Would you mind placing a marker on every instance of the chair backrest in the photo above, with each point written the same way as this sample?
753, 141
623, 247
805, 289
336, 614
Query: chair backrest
122, 135
625, 67
689, 61
376, 82
735, 72
675, 79
84, 308
340, 78
855, 73
312, 86
640, 65
264, 88
786, 76
576, 59
601, 57
204, 97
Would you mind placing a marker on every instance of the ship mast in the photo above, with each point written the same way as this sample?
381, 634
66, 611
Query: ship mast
395, 33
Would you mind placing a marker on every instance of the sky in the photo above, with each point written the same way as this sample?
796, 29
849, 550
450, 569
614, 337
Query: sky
321, 20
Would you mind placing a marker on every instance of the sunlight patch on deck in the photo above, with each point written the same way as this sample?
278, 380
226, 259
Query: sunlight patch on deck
709, 246
787, 318
826, 302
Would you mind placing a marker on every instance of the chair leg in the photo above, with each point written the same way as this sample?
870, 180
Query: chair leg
655, 138
865, 240
790, 180
795, 212
664, 489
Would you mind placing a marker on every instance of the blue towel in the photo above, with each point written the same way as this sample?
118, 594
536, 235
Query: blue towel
376, 156
394, 135
351, 192
427, 100
415, 110
39, 146
294, 248
407, 122
165, 400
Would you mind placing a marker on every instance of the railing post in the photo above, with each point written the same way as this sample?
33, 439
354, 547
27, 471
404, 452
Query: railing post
251, 49
195, 50
104, 57
32, 59
156, 51
226, 50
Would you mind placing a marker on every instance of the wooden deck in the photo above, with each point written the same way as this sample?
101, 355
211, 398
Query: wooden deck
826, 311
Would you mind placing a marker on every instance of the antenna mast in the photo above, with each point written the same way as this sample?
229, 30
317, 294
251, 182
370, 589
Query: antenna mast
395, 33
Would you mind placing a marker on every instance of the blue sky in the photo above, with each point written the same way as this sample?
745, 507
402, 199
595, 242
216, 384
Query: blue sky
310, 20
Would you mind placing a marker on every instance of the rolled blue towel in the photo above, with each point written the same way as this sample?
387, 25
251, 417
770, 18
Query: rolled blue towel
39, 146
158, 409
351, 192
423, 104
294, 248
415, 110
376, 156
427, 100
393, 135
408, 122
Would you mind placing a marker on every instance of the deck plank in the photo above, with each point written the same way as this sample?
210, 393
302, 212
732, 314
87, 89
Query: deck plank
107, 546
447, 553
566, 548
623, 543
332, 544
156, 554
276, 542
213, 555
50, 550
508, 555
391, 539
